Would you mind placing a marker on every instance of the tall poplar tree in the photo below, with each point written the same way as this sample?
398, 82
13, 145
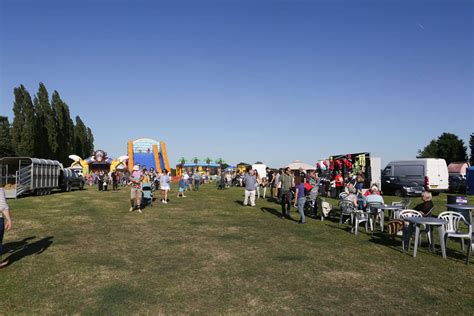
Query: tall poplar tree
64, 128
80, 138
46, 139
24, 123
90, 142
6, 146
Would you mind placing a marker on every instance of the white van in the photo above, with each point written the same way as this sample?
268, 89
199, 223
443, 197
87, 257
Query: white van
431, 173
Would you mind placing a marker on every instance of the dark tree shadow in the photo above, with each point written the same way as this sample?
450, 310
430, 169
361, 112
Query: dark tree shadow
276, 213
271, 211
17, 250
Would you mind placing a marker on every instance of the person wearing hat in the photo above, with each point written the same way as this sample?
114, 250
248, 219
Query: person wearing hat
136, 179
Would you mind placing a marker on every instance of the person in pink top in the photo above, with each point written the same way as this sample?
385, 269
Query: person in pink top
136, 179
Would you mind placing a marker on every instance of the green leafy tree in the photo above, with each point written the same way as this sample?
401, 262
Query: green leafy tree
471, 145
46, 136
65, 128
6, 146
89, 149
448, 146
24, 123
80, 138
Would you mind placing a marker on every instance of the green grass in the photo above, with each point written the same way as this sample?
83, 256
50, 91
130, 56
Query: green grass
83, 252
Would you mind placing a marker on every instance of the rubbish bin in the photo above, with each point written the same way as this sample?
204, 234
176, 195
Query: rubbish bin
454, 199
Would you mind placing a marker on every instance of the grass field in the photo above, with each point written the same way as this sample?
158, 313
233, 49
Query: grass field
83, 252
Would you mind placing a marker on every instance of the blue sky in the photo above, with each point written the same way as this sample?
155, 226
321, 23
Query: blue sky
250, 80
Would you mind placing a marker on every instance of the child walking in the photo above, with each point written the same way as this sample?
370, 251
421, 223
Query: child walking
182, 187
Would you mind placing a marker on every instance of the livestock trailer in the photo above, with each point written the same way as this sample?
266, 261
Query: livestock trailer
24, 175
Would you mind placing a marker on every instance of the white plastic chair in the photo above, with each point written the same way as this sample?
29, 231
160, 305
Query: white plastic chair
451, 230
343, 195
405, 214
347, 209
403, 204
359, 218
376, 213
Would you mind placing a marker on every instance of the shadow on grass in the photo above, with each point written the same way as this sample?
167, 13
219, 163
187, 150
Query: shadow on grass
277, 213
17, 250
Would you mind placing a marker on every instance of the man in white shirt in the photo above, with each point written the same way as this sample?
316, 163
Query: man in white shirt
186, 179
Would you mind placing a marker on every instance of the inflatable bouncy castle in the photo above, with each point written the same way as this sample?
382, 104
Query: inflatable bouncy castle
98, 161
147, 153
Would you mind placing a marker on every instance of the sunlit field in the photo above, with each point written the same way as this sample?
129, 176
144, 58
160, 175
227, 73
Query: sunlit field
83, 252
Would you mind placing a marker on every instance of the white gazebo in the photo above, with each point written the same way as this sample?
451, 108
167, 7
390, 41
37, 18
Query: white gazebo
298, 164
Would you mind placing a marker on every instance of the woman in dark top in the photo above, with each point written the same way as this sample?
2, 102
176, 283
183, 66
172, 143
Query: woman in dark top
427, 205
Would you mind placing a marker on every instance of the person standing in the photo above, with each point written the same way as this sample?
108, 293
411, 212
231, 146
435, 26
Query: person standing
186, 180
106, 182
165, 181
250, 184
286, 182
300, 199
270, 182
277, 185
314, 181
339, 183
264, 186
197, 180
101, 180
136, 179
257, 185
182, 187
115, 179
5, 223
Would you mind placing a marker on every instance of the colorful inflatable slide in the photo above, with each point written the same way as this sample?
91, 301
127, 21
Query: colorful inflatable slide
147, 153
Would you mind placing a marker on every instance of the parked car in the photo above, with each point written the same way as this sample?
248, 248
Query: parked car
400, 186
430, 173
457, 183
70, 179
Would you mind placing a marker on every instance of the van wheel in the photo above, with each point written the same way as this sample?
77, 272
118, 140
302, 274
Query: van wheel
435, 193
398, 192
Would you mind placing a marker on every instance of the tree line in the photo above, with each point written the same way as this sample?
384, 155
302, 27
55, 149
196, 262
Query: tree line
43, 128
449, 147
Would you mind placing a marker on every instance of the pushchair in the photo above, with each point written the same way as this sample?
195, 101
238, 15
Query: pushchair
147, 194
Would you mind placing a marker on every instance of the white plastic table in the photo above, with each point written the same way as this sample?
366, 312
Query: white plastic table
391, 208
430, 222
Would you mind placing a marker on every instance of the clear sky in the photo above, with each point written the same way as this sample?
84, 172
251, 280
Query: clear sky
250, 80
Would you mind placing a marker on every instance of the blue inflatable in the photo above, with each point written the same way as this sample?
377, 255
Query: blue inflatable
470, 180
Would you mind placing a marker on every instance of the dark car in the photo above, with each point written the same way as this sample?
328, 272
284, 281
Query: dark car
400, 186
70, 179
457, 183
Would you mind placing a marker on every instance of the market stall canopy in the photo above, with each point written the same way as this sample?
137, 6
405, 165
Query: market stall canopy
298, 164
